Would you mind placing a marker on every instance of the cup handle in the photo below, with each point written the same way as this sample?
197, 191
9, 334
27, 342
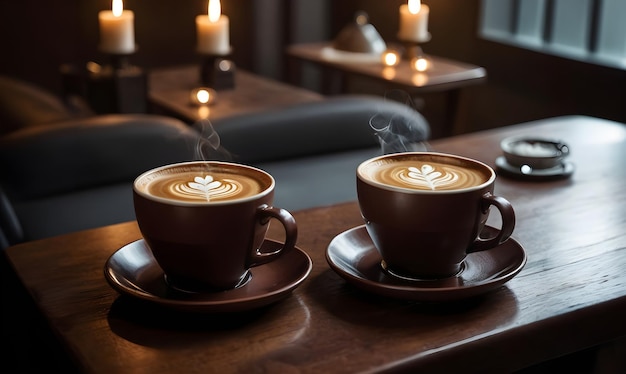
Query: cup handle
266, 213
508, 223
563, 148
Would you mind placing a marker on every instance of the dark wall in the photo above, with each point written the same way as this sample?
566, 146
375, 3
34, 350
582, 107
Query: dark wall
41, 35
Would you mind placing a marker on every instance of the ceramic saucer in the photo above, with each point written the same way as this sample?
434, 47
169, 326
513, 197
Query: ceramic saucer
133, 271
353, 256
562, 171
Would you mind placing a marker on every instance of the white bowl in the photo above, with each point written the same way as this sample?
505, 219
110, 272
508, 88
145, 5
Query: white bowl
534, 152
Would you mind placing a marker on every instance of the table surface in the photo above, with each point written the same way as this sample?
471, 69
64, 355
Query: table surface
443, 74
170, 89
570, 295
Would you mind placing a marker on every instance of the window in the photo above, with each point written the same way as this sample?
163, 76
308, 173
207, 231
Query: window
587, 30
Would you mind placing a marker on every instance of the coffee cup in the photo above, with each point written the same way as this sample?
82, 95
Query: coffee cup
425, 211
528, 153
205, 222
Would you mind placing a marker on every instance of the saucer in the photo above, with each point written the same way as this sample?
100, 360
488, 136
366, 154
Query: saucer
353, 256
565, 170
133, 271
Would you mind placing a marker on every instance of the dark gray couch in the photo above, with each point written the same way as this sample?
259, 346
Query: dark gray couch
72, 172
313, 149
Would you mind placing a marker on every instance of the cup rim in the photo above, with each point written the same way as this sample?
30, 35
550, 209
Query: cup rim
490, 180
264, 192
506, 145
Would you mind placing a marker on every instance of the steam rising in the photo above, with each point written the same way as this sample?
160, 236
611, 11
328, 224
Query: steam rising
209, 146
406, 133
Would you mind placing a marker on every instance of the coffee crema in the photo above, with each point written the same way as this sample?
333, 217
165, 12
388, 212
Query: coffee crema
425, 175
200, 186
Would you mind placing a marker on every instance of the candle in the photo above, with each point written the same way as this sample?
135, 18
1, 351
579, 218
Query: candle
212, 31
117, 33
419, 64
390, 57
203, 96
414, 22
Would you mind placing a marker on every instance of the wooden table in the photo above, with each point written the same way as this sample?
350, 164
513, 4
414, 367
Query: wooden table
443, 75
170, 89
571, 295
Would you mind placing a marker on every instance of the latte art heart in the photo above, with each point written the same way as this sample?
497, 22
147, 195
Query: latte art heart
428, 175
434, 177
206, 188
200, 186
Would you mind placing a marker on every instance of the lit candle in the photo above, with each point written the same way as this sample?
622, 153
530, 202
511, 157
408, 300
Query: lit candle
419, 64
390, 57
117, 32
212, 31
203, 96
414, 22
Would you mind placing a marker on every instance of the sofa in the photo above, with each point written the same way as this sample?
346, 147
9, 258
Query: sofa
65, 169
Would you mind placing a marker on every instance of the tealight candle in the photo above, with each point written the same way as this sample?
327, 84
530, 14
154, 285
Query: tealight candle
390, 57
419, 64
212, 31
117, 33
414, 22
203, 96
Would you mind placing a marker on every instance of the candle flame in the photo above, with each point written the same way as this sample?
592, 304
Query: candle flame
390, 58
203, 96
215, 10
420, 64
415, 6
117, 7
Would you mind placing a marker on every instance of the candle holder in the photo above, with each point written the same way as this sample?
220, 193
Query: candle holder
217, 72
117, 87
418, 61
119, 61
413, 48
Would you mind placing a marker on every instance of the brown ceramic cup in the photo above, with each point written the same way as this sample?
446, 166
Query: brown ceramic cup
205, 222
424, 211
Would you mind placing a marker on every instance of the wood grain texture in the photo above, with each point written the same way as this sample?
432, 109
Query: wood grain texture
571, 295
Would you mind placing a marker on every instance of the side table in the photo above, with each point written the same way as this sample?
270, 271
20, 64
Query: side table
443, 75
170, 89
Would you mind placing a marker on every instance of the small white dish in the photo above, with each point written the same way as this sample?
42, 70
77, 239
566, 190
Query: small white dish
535, 153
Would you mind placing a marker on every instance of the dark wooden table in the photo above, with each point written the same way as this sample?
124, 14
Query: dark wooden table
571, 295
443, 75
170, 89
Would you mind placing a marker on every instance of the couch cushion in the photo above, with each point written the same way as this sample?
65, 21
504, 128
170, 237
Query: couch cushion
23, 105
337, 124
320, 180
79, 210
